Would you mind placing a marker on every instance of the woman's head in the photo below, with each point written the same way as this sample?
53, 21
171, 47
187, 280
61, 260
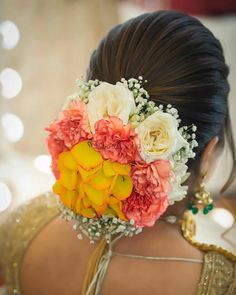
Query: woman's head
183, 64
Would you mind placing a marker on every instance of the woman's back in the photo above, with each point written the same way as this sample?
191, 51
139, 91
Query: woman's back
61, 271
55, 261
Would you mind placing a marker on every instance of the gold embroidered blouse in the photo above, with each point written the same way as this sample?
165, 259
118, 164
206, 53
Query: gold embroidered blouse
17, 233
219, 267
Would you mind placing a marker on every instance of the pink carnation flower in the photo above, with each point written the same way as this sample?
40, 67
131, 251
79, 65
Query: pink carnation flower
55, 147
144, 210
149, 199
153, 178
115, 141
71, 128
73, 125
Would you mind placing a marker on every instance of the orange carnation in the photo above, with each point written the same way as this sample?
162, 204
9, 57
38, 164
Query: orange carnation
115, 141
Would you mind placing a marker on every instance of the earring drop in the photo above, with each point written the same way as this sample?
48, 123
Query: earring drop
202, 200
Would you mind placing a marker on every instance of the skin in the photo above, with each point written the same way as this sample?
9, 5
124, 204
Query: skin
56, 260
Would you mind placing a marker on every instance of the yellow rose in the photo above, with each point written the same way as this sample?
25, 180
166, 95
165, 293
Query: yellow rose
110, 100
91, 186
159, 137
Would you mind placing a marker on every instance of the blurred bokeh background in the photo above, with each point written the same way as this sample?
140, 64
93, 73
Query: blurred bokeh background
44, 47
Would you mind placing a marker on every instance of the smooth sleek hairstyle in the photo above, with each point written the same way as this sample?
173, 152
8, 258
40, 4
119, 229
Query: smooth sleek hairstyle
184, 65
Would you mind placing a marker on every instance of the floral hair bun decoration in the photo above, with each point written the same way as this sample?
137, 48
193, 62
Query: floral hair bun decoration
119, 160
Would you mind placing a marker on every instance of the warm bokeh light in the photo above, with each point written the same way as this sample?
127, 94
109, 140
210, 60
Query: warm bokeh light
10, 34
43, 163
223, 217
11, 83
12, 126
5, 196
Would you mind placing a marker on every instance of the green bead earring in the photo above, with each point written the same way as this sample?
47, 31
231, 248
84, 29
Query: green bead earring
202, 199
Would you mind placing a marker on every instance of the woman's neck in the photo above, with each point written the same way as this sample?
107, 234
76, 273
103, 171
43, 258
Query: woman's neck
177, 209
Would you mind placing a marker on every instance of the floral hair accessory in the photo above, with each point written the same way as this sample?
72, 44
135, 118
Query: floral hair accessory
119, 160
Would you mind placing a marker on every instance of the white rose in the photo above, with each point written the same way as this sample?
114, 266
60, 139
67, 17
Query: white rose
159, 137
110, 100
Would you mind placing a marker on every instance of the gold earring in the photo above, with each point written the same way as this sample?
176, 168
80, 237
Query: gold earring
202, 199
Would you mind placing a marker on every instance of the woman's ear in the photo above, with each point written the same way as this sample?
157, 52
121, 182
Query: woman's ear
208, 158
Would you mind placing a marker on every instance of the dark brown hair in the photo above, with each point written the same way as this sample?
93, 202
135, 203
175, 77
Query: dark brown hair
184, 65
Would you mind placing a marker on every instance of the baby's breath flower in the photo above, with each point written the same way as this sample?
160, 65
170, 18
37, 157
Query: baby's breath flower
95, 228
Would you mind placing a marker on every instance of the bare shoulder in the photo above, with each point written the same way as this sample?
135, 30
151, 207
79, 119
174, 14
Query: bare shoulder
55, 261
